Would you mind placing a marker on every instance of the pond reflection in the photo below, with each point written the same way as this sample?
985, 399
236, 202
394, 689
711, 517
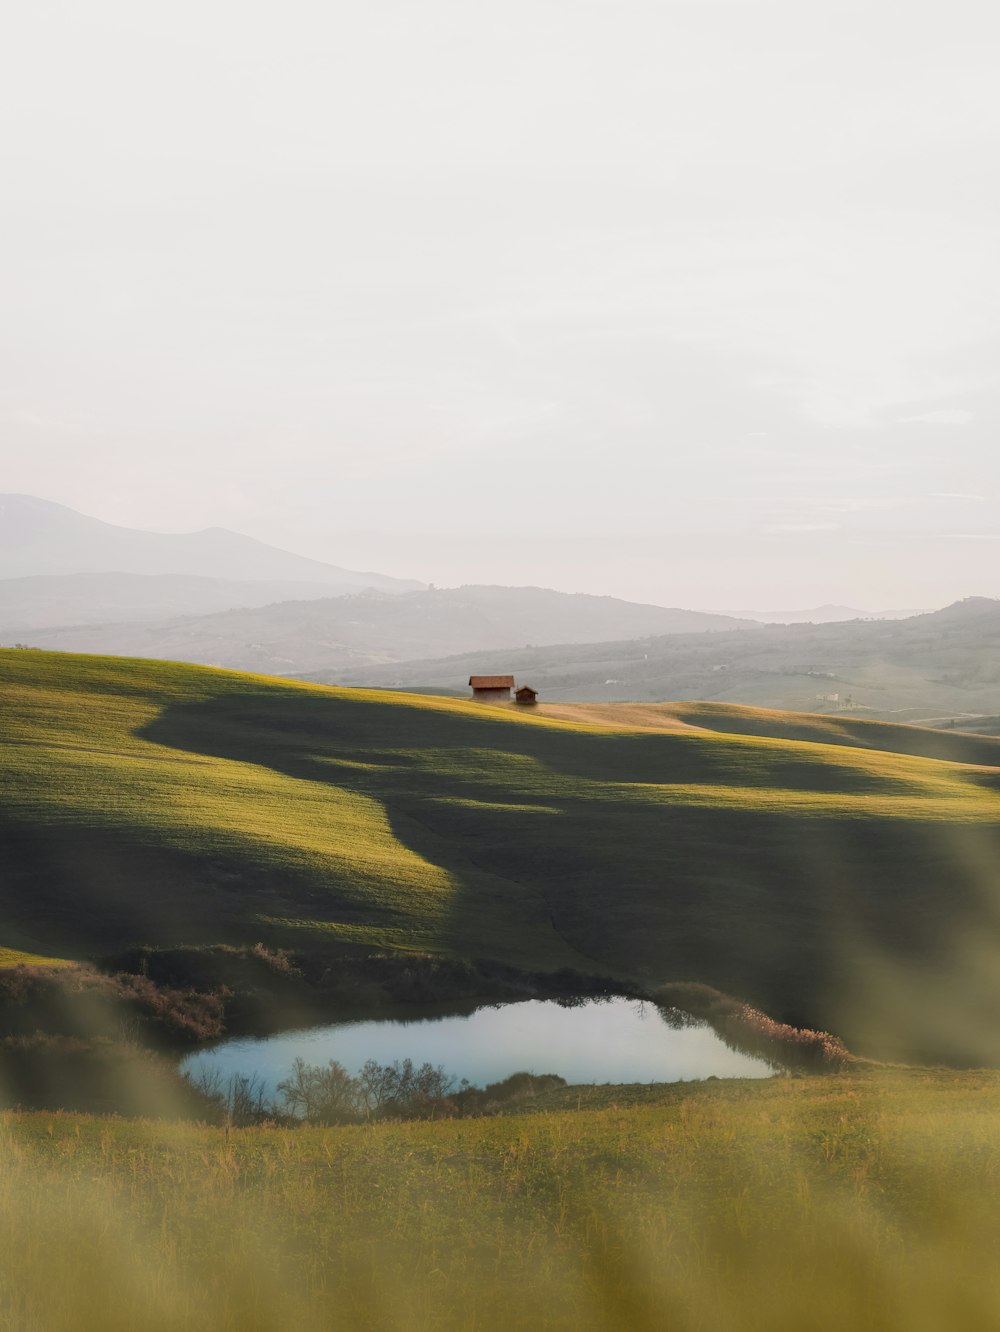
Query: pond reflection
615, 1040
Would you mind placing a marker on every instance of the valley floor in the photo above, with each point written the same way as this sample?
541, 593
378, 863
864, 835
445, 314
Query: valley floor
853, 1202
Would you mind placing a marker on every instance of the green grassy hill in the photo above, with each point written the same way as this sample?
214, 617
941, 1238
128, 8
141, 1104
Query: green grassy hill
839, 877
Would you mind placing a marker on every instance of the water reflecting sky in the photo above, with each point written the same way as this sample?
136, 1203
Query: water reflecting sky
620, 1040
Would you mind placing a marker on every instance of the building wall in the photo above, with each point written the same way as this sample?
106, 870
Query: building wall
491, 695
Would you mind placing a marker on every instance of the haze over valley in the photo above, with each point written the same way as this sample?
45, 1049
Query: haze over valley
940, 668
133, 593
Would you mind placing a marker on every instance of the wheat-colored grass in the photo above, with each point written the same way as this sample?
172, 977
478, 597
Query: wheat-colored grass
869, 1204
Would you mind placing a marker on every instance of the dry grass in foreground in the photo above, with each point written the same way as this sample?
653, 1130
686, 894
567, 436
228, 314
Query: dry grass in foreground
844, 1203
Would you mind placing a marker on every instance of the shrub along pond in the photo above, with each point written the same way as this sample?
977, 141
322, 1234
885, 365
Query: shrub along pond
611, 1040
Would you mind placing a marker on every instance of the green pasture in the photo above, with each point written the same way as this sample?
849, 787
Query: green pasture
836, 875
14, 957
869, 1204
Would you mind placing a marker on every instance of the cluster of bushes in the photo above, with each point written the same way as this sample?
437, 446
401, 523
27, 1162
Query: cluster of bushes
85, 1004
273, 989
752, 1032
328, 1094
784, 1046
74, 1038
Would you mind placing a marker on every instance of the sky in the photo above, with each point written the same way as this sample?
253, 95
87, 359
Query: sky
691, 301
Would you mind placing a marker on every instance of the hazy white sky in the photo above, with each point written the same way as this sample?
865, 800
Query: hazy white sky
692, 302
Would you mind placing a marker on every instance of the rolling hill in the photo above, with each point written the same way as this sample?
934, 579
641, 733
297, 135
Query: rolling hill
940, 667
843, 878
340, 633
42, 601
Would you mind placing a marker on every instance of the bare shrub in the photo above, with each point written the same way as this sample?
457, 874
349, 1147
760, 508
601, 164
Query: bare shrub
402, 1090
321, 1093
242, 1100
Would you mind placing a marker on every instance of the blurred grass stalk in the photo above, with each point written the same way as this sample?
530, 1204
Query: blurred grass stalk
858, 1202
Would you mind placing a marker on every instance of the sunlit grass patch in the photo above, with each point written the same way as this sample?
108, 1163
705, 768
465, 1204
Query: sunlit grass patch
13, 957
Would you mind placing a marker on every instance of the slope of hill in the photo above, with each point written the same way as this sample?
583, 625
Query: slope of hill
940, 667
39, 537
846, 887
294, 637
46, 600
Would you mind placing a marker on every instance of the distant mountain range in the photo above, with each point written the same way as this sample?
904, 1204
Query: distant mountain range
48, 600
72, 583
38, 537
335, 634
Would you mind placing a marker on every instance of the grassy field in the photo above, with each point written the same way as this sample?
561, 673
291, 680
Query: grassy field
848, 1203
836, 875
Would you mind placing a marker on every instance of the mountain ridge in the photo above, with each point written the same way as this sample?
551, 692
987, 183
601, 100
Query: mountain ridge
39, 536
41, 601
331, 634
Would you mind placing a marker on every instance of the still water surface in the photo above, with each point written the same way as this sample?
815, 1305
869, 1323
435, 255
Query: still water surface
617, 1040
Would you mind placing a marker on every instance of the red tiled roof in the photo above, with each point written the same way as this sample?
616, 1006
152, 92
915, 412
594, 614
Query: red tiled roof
491, 682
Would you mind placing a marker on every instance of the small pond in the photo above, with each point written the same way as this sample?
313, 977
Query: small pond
616, 1040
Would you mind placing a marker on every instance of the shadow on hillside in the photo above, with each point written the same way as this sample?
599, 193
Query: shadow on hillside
951, 746
853, 924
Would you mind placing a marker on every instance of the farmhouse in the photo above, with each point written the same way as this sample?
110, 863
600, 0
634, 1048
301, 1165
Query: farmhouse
491, 688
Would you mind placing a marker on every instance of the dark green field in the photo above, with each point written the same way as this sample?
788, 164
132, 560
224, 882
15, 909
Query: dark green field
836, 877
